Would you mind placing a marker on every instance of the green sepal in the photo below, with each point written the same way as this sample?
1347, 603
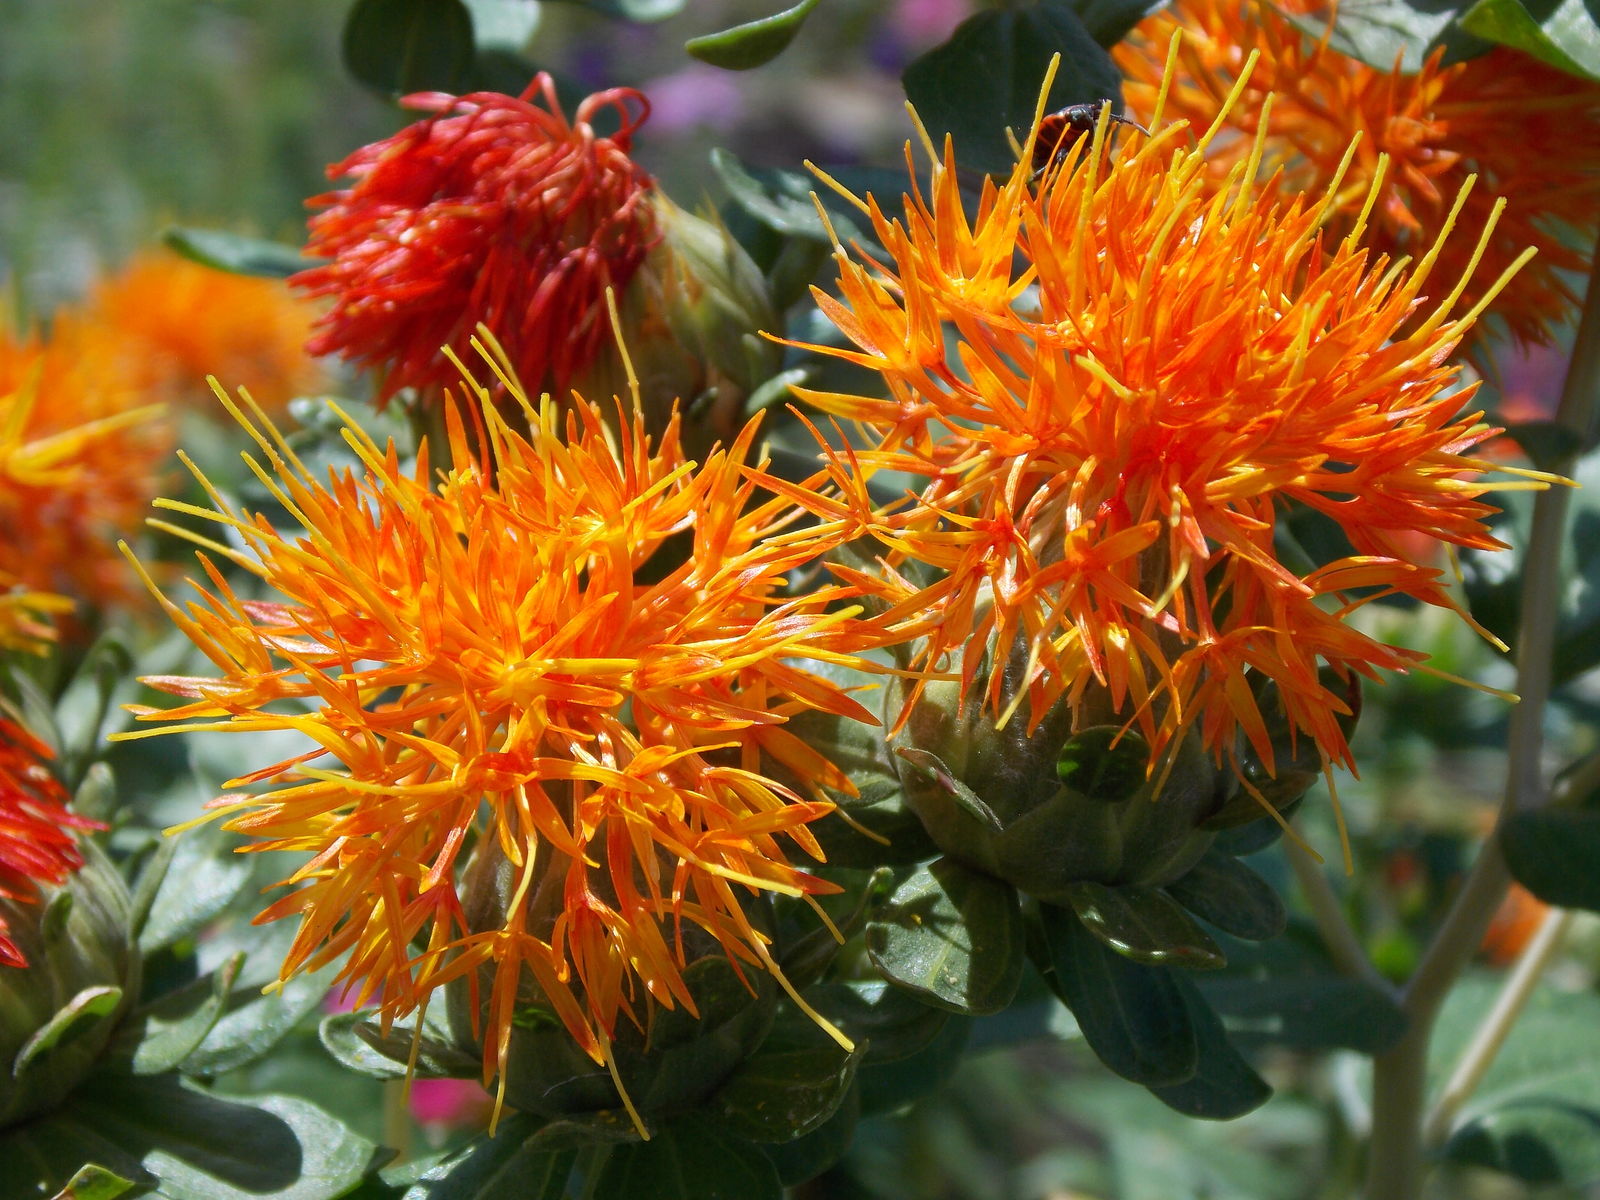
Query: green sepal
952, 936
75, 1020
1106, 763
507, 1164
1133, 1016
157, 1036
754, 42
790, 1086
1224, 1085
931, 766
401, 46
1222, 890
236, 253
1144, 924
691, 1159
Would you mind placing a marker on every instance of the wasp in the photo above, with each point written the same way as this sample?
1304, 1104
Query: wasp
1060, 131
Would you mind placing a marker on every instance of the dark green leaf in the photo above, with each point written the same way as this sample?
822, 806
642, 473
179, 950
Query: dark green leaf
358, 1042
203, 877
195, 1146
964, 798
1109, 21
401, 46
1549, 445
1311, 1013
951, 935
782, 200
754, 42
1555, 854
1536, 1141
807, 1157
236, 253
158, 1036
256, 1021
888, 1086
890, 1022
1563, 33
779, 1095
1224, 1086
1145, 925
635, 10
1106, 763
986, 78
1222, 890
506, 1164
1133, 1016
693, 1159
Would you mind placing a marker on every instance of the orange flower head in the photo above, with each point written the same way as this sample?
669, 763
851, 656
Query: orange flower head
37, 844
518, 662
80, 461
183, 321
1504, 117
496, 210
1109, 385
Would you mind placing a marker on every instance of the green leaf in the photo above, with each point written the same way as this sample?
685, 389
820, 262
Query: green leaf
1222, 890
156, 1037
783, 1093
401, 46
782, 200
359, 1042
87, 1011
932, 766
94, 1182
1536, 1113
194, 1145
643, 11
1565, 34
754, 42
1224, 1085
255, 1021
1133, 1016
1554, 854
506, 1164
692, 1159
809, 1156
199, 880
889, 1086
888, 1020
1323, 1012
1376, 32
1145, 925
952, 936
1109, 21
1549, 445
986, 78
236, 253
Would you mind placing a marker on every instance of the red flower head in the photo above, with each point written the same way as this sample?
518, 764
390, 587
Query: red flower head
36, 843
495, 209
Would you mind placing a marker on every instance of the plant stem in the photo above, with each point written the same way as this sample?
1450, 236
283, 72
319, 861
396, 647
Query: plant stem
1394, 1164
1343, 946
1491, 1035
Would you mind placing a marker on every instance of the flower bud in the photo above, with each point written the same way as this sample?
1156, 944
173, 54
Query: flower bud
57, 1013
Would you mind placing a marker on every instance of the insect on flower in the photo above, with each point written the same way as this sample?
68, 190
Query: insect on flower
1060, 131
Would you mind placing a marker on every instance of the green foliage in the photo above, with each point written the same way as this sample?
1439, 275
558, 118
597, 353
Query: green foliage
236, 253
402, 46
752, 43
1565, 34
1143, 924
1553, 853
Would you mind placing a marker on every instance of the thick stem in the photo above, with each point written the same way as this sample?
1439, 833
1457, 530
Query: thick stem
1395, 1164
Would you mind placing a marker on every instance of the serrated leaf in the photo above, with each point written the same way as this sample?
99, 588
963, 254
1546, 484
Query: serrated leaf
1565, 34
236, 253
693, 1159
1224, 1085
986, 78
754, 42
1554, 854
1133, 1016
1222, 890
951, 935
402, 46
1145, 925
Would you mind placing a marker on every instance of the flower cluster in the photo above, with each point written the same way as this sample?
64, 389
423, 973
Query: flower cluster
568, 660
1502, 116
496, 209
1109, 385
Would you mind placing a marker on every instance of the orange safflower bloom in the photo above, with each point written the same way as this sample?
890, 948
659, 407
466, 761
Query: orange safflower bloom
515, 658
36, 842
1504, 117
80, 461
496, 210
183, 321
1108, 386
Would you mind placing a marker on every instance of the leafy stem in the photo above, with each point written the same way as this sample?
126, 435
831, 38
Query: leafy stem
1395, 1165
